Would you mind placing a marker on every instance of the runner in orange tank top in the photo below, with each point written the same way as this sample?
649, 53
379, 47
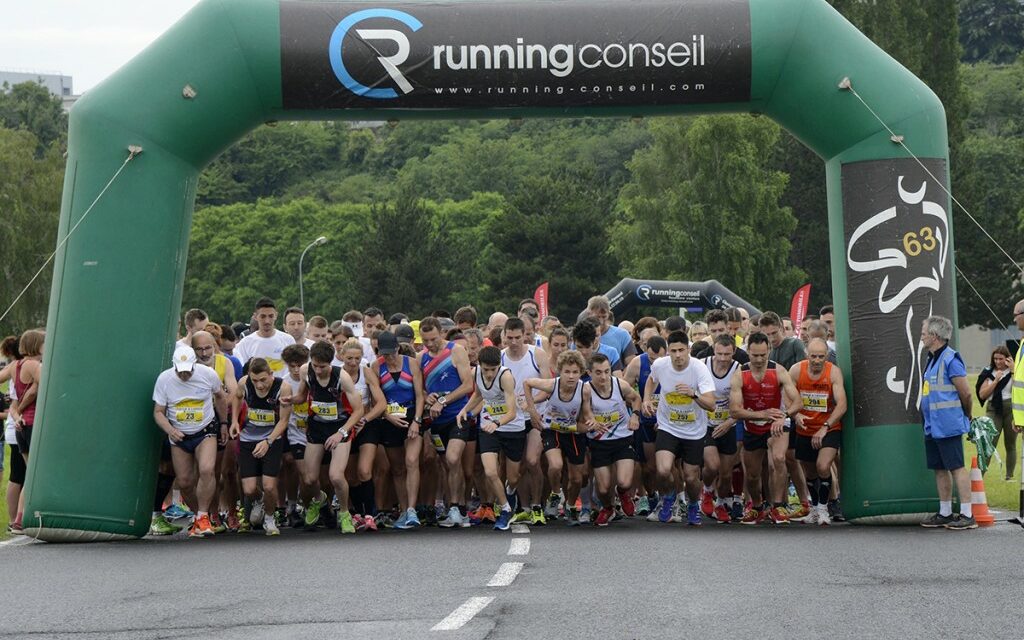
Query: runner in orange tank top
819, 424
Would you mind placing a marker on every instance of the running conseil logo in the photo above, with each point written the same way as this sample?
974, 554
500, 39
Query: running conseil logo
372, 38
643, 292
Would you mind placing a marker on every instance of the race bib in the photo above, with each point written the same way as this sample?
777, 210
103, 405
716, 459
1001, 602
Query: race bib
395, 409
325, 410
563, 427
260, 417
496, 410
608, 418
275, 364
438, 442
677, 398
300, 412
189, 412
719, 416
816, 402
682, 416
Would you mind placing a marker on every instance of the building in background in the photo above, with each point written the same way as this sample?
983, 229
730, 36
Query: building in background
57, 84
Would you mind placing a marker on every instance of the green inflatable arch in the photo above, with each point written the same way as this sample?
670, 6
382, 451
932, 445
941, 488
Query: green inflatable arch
231, 65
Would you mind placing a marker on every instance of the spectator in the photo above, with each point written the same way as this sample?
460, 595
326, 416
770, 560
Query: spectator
993, 390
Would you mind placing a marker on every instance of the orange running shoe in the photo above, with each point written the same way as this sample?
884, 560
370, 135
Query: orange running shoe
778, 515
486, 514
707, 502
753, 515
205, 527
722, 514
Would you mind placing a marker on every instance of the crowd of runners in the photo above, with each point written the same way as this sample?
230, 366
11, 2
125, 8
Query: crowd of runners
377, 421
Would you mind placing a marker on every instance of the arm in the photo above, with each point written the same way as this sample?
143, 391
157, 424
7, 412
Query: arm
530, 385
586, 418
648, 399
508, 386
417, 387
989, 385
283, 414
634, 401
380, 405
300, 394
160, 417
461, 361
8, 372
236, 402
475, 402
221, 405
791, 400
356, 402
964, 391
839, 398
632, 372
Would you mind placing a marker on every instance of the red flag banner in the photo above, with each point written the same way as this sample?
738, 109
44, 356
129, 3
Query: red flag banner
541, 297
798, 307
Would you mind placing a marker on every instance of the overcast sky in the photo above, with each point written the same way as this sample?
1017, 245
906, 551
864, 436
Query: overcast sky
82, 39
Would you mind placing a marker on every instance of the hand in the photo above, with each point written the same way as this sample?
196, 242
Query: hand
722, 429
334, 441
431, 399
1017, 428
414, 430
798, 420
460, 418
488, 426
398, 421
521, 402
634, 422
223, 438
594, 425
773, 414
818, 437
436, 409
648, 408
686, 389
176, 435
235, 430
260, 449
777, 426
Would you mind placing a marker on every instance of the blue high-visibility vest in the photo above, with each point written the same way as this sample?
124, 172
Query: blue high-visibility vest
940, 403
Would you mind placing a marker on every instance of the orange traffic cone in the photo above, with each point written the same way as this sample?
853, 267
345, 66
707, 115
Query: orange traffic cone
979, 503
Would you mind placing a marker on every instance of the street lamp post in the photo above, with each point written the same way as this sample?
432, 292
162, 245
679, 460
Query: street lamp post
316, 243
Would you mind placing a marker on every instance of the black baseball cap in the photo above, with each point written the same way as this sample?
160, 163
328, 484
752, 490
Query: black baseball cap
398, 318
404, 333
387, 343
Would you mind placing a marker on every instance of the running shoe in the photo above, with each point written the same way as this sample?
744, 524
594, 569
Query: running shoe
431, 517
835, 509
369, 523
280, 518
617, 512
538, 516
473, 515
329, 516
486, 514
270, 525
256, 515
722, 514
177, 511
513, 499
693, 515
243, 522
936, 521
411, 519
15, 529
551, 508
572, 517
217, 523
584, 516
677, 511
653, 516
474, 503
504, 521
753, 515
961, 522
604, 516
643, 507
798, 512
823, 518
345, 522
402, 521
736, 512
313, 510
778, 515
158, 527
201, 528
295, 517
454, 519
628, 507
522, 517
707, 503
357, 520
667, 504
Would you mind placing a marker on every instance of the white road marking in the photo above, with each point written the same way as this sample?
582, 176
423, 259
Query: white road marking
506, 573
18, 540
456, 619
519, 547
520, 528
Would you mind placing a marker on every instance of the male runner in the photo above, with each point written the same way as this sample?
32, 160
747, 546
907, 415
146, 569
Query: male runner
720, 450
295, 356
226, 471
502, 430
267, 342
295, 324
261, 443
636, 374
686, 388
615, 411
183, 407
819, 424
195, 320
612, 336
756, 396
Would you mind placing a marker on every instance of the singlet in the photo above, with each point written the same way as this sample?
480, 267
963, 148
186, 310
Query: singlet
611, 411
758, 396
561, 415
494, 402
362, 388
262, 413
816, 399
398, 390
441, 377
299, 417
28, 414
723, 387
645, 372
523, 368
325, 405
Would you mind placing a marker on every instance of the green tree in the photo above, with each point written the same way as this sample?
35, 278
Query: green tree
30, 191
992, 30
704, 203
30, 106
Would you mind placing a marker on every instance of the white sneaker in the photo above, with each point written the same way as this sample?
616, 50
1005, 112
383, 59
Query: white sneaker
823, 518
653, 515
269, 526
257, 515
677, 511
454, 519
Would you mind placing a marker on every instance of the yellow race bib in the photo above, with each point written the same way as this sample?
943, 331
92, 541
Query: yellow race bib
719, 416
496, 410
682, 416
189, 412
815, 402
325, 410
608, 418
438, 442
677, 398
301, 411
275, 364
260, 417
395, 409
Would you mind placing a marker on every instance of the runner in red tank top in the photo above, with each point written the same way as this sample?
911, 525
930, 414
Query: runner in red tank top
819, 424
756, 398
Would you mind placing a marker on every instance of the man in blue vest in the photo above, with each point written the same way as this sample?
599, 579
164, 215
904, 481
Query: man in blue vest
946, 409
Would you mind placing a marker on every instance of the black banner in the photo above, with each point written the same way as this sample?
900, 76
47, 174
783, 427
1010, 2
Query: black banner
710, 294
426, 55
898, 271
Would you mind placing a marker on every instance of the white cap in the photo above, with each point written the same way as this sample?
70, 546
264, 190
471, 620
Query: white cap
184, 358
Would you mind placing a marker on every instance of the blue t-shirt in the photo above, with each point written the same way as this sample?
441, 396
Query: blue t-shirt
618, 339
237, 364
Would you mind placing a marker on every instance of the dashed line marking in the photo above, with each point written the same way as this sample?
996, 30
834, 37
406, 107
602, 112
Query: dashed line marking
520, 528
519, 547
506, 573
456, 619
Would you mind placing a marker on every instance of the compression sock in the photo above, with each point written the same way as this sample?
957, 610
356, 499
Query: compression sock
163, 485
824, 488
813, 489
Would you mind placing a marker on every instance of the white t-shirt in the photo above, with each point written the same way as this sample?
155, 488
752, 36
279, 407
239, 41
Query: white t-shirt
679, 414
256, 346
189, 404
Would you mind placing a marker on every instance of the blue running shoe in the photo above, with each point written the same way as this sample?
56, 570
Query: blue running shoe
177, 511
665, 513
504, 521
693, 514
411, 519
402, 522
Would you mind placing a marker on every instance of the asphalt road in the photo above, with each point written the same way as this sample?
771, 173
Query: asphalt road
631, 580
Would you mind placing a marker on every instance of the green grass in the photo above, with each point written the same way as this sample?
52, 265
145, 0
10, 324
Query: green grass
1001, 494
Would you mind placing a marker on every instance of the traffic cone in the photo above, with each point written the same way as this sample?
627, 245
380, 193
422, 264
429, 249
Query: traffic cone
979, 503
